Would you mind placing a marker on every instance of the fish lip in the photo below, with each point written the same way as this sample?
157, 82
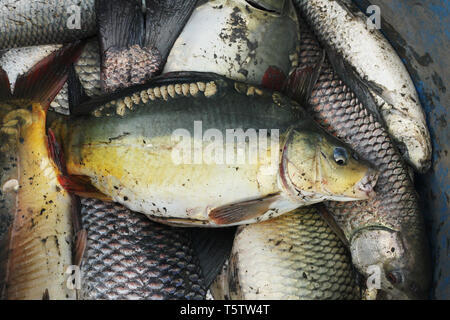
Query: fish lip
368, 182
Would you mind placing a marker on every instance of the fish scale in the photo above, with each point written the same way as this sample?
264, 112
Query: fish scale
87, 69
295, 256
339, 111
395, 206
130, 257
26, 23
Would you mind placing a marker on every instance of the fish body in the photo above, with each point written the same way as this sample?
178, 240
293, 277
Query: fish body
343, 28
40, 227
130, 257
386, 231
27, 23
127, 255
37, 249
293, 257
236, 39
142, 150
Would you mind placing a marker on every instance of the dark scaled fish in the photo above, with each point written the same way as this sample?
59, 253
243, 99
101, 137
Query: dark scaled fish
130, 257
135, 40
27, 23
385, 233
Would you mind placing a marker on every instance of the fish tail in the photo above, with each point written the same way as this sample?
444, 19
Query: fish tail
135, 40
45, 79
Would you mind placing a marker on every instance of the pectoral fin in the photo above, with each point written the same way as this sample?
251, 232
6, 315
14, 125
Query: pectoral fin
241, 211
81, 186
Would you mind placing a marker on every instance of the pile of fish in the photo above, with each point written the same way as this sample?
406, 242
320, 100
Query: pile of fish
118, 180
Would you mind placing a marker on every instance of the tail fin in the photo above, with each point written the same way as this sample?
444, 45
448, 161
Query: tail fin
46, 78
5, 87
135, 40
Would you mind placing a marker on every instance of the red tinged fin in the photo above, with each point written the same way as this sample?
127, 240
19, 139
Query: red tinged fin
301, 81
45, 79
273, 79
5, 87
55, 151
81, 186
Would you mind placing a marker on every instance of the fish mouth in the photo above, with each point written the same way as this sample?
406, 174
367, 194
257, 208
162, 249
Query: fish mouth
367, 184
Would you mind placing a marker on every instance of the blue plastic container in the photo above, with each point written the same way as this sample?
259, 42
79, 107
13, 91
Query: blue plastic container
420, 32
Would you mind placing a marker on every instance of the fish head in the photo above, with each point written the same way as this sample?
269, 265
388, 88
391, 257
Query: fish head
393, 262
317, 164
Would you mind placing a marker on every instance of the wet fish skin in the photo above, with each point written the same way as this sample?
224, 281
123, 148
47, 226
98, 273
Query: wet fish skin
37, 249
235, 38
130, 257
18, 60
87, 69
40, 228
295, 256
393, 216
27, 23
140, 125
341, 26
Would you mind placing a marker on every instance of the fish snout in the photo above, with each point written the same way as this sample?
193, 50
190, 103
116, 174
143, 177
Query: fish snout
368, 182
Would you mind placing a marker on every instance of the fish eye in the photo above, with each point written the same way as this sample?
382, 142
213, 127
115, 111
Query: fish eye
394, 277
340, 156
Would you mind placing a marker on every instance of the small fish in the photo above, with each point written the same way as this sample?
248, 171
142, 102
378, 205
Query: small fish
385, 232
344, 30
236, 39
37, 249
126, 149
293, 257
28, 23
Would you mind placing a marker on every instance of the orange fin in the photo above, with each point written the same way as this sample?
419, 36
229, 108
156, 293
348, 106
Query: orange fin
81, 186
241, 211
46, 78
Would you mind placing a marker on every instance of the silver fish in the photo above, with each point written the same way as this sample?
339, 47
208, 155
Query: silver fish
344, 28
387, 231
28, 23
236, 39
296, 256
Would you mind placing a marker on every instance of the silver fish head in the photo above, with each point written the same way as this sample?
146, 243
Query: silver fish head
393, 262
